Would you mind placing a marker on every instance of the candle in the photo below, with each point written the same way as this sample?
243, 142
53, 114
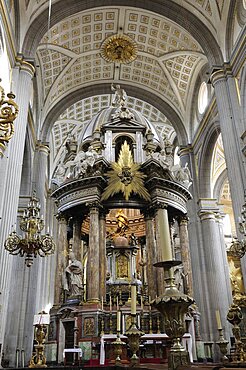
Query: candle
102, 303
217, 313
117, 303
133, 300
164, 236
110, 303
118, 320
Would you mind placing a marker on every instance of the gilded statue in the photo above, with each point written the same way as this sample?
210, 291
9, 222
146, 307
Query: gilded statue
122, 222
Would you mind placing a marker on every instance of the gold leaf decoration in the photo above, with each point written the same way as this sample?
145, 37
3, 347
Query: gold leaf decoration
125, 177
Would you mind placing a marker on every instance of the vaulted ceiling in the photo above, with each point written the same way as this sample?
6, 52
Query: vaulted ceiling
177, 41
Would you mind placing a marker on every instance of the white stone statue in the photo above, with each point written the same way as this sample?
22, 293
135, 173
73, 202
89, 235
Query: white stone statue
60, 172
72, 280
83, 160
161, 158
120, 96
182, 174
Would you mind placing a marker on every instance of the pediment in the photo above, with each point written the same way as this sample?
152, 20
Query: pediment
124, 124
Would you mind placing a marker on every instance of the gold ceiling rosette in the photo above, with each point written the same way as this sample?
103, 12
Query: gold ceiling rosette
125, 177
119, 48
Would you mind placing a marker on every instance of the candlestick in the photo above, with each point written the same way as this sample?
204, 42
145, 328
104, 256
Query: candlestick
118, 320
217, 313
133, 299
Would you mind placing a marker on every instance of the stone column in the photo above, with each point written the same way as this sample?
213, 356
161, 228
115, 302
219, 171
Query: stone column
10, 180
93, 262
231, 131
185, 253
77, 244
40, 166
213, 273
163, 243
219, 220
102, 254
150, 253
61, 251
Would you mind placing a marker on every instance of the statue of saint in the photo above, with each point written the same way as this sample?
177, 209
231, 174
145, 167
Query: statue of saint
120, 96
182, 174
73, 276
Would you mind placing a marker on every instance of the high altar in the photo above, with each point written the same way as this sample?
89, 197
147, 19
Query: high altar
120, 200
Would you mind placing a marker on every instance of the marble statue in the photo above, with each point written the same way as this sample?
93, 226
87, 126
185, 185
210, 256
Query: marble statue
60, 172
160, 157
73, 283
182, 174
120, 96
83, 161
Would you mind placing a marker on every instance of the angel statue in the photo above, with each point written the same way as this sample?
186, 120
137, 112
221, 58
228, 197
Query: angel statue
182, 174
119, 99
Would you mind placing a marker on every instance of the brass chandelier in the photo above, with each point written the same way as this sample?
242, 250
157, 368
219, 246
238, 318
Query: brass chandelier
33, 244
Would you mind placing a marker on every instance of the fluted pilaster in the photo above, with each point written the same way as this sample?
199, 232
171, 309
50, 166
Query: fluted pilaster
10, 179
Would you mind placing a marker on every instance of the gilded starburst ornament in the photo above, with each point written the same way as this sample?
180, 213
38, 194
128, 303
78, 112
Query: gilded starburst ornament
119, 49
125, 177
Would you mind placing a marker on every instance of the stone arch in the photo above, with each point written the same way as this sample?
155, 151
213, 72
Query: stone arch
230, 28
205, 162
166, 8
219, 184
85, 92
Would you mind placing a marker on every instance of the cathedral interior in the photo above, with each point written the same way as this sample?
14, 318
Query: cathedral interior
122, 182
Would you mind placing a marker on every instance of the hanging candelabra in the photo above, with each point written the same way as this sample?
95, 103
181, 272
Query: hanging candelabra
8, 113
33, 243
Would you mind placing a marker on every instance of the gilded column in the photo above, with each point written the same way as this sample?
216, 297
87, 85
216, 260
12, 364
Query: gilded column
61, 252
150, 253
185, 254
102, 253
93, 255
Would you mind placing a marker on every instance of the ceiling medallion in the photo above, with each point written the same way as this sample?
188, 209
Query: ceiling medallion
119, 49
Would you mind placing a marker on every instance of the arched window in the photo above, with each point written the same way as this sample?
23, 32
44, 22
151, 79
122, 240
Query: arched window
202, 97
119, 142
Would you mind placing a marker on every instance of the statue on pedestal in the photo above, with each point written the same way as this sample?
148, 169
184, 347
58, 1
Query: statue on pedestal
72, 282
